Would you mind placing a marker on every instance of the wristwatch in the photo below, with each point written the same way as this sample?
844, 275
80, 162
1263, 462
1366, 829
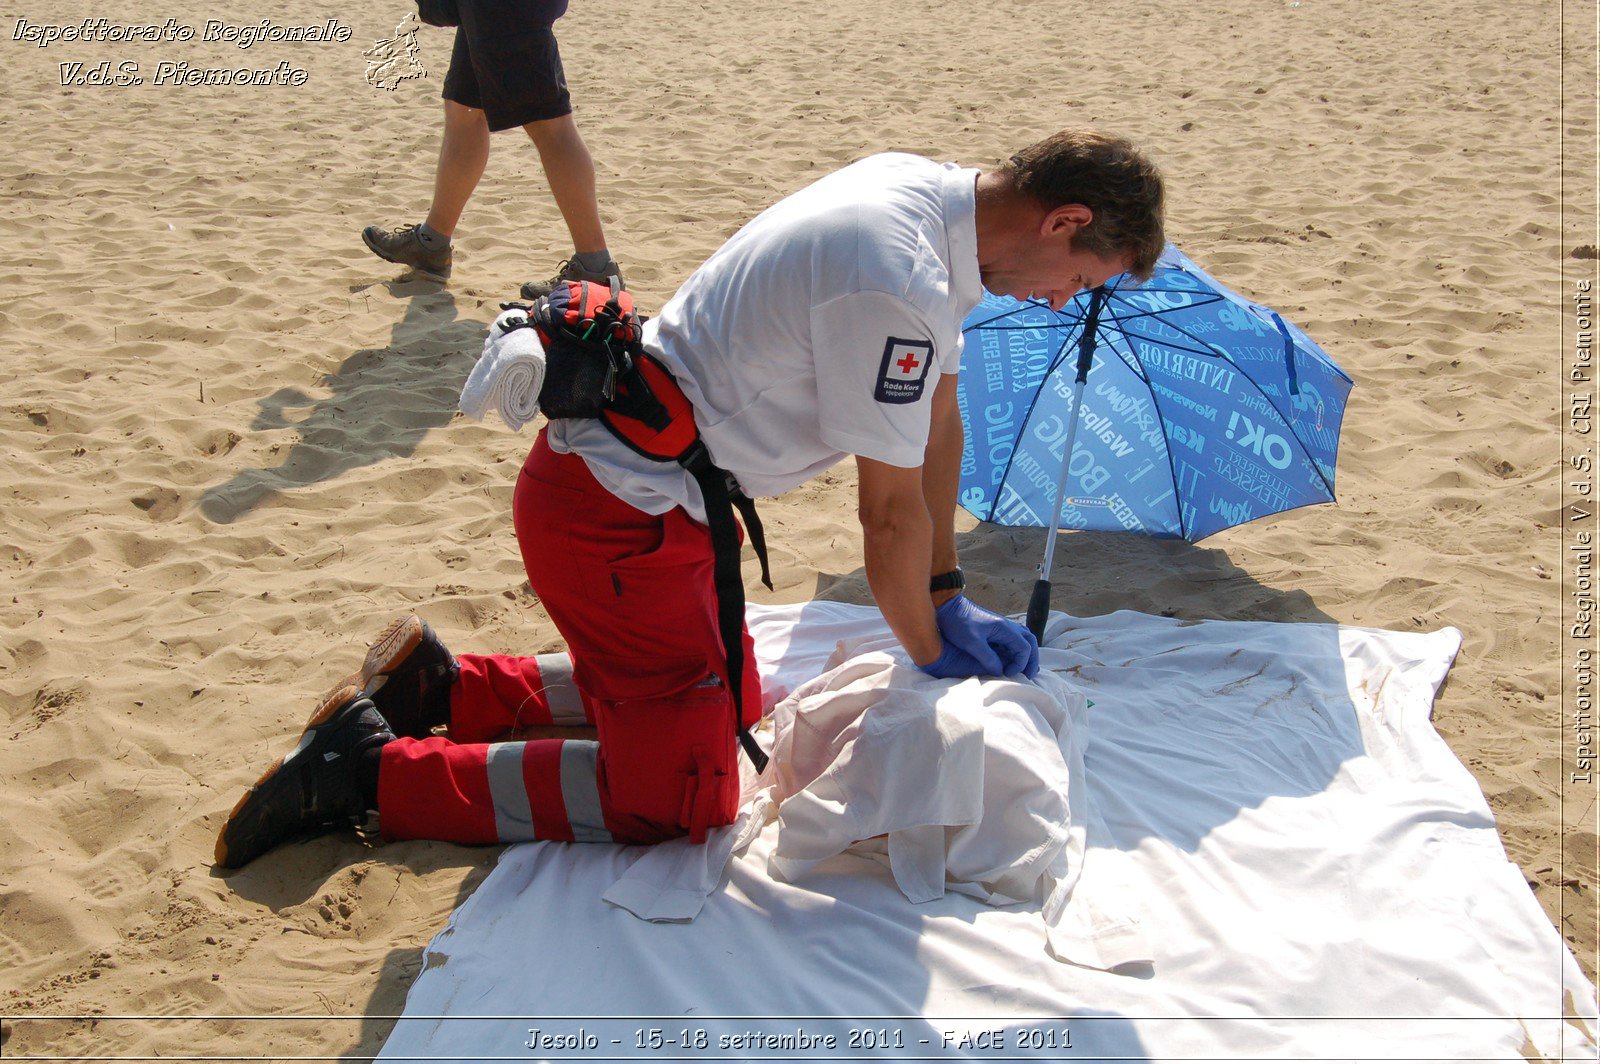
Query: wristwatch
951, 581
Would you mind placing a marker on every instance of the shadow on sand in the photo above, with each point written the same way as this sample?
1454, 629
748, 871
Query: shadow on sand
1101, 572
291, 877
382, 401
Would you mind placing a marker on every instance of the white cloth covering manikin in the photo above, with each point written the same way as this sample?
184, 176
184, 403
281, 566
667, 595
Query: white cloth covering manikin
785, 339
973, 785
967, 782
1315, 875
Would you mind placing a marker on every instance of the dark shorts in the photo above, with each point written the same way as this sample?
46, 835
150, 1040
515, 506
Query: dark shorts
506, 65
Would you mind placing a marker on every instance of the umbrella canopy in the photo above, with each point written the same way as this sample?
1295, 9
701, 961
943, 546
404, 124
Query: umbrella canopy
1187, 408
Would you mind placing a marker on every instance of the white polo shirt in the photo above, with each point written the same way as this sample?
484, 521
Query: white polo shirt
818, 331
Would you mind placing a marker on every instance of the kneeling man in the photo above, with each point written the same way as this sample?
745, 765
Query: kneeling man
828, 326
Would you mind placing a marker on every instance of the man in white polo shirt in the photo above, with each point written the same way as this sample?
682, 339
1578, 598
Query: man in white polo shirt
828, 326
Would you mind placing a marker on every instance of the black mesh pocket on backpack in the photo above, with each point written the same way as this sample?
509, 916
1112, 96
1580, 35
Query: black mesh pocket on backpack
580, 378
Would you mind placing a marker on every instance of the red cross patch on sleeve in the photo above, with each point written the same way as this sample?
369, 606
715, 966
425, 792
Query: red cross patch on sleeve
904, 369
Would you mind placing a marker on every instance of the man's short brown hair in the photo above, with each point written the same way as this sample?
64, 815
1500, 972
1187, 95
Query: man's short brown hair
1109, 176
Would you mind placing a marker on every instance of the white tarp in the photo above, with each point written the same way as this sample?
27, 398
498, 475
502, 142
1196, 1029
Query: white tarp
1271, 820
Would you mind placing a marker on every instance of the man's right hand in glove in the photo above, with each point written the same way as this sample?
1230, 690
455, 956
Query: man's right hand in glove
980, 643
908, 532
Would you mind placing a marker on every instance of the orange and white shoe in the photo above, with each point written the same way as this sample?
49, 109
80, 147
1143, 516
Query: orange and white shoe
408, 674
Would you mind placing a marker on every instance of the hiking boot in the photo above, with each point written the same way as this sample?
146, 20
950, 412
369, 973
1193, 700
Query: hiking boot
314, 788
402, 244
571, 271
408, 674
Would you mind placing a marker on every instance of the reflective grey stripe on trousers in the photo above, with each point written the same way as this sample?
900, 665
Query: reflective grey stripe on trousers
580, 789
513, 816
560, 691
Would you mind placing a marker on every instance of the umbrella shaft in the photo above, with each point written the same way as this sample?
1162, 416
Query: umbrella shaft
1061, 483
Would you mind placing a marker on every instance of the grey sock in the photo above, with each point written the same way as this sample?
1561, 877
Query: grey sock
431, 238
594, 261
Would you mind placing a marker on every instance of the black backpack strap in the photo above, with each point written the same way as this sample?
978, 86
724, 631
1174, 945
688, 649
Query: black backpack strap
634, 409
752, 523
727, 580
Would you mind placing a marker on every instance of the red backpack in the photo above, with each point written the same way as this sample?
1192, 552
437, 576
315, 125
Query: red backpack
591, 340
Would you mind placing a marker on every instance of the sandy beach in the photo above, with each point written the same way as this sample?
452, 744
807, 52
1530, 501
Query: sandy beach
233, 453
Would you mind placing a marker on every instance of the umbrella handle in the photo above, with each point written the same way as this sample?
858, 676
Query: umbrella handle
1039, 604
1039, 609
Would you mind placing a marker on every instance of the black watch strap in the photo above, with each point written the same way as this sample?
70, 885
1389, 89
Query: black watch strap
951, 581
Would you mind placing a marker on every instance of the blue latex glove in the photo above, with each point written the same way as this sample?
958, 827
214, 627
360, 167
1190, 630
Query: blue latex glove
980, 643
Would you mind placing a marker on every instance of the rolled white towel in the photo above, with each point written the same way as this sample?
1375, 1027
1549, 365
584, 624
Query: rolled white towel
508, 375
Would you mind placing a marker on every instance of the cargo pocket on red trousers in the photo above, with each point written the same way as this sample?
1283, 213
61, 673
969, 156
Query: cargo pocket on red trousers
666, 758
704, 796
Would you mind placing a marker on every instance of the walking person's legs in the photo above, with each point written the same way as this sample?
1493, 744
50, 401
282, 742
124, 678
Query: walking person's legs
569, 168
504, 73
463, 155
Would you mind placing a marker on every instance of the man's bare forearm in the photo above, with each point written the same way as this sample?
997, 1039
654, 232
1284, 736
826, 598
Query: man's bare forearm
897, 541
941, 478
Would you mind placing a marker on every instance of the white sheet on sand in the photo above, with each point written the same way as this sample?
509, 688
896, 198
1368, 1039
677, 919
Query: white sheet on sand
1266, 851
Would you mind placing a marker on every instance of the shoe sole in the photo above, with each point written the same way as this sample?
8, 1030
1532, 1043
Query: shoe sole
530, 290
332, 704
420, 271
392, 646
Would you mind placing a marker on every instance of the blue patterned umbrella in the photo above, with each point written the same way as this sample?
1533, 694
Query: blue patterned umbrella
1202, 411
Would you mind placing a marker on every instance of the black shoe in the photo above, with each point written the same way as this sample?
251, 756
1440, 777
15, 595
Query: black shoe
403, 244
408, 675
571, 271
313, 789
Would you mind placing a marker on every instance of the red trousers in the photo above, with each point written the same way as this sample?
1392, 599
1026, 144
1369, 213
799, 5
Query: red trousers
632, 595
